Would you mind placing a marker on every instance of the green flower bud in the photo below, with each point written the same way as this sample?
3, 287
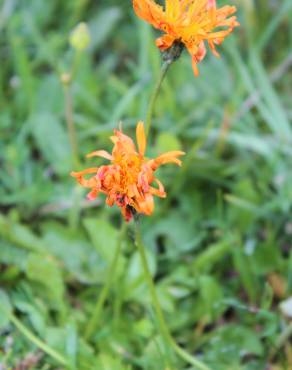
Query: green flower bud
80, 37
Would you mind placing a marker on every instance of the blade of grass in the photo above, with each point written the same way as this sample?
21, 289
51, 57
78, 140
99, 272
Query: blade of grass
271, 28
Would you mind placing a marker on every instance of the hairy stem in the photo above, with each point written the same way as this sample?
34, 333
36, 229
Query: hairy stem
154, 95
283, 338
169, 56
156, 305
70, 122
38, 342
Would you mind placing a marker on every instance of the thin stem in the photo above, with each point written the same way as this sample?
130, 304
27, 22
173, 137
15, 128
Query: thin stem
169, 56
67, 79
75, 64
156, 304
70, 121
282, 339
39, 343
163, 326
92, 324
154, 95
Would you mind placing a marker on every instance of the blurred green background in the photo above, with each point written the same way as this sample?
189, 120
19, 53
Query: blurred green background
219, 246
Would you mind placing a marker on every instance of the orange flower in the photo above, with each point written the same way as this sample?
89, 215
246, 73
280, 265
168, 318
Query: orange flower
127, 180
190, 22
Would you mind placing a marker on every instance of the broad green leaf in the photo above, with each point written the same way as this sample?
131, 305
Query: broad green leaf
52, 141
104, 238
167, 141
11, 255
5, 309
36, 317
80, 259
232, 342
211, 296
135, 283
20, 235
101, 29
46, 272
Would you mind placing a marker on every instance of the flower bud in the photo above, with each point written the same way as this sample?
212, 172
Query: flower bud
65, 78
80, 37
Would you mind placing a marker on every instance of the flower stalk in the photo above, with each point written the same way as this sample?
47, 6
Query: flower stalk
168, 57
79, 40
66, 80
156, 305
38, 342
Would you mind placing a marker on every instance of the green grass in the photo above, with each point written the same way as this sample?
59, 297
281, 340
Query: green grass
219, 246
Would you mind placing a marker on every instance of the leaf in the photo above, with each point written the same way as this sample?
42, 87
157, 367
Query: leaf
56, 338
102, 25
35, 315
211, 296
71, 344
243, 266
10, 255
167, 141
271, 107
46, 272
213, 254
52, 141
143, 328
20, 235
232, 342
104, 238
106, 361
178, 236
135, 285
76, 253
5, 309
155, 353
50, 97
126, 101
266, 258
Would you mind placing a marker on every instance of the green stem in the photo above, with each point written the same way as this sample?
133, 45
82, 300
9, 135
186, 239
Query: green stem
75, 64
169, 56
67, 79
92, 324
70, 122
283, 338
154, 95
162, 324
39, 343
156, 304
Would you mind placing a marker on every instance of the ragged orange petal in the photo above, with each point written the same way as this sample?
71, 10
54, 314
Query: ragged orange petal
165, 42
84, 172
172, 8
149, 11
92, 194
158, 192
195, 67
189, 22
141, 138
169, 157
147, 204
100, 153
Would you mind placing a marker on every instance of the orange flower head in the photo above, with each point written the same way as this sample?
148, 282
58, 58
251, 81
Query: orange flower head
190, 22
127, 181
